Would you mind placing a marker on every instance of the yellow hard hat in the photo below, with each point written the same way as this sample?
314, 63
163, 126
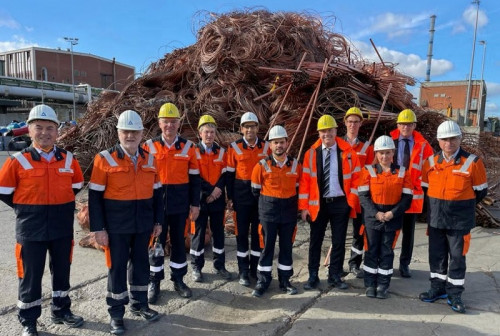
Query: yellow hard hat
326, 122
168, 110
206, 119
354, 111
407, 116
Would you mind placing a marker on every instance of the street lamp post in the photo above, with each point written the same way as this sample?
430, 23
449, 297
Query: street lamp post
73, 41
481, 96
467, 99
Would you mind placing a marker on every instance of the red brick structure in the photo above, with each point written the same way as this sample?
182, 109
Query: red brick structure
449, 97
54, 65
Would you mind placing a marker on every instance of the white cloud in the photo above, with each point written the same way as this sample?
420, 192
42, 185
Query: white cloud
8, 22
29, 29
17, 42
409, 64
469, 16
493, 89
458, 28
392, 24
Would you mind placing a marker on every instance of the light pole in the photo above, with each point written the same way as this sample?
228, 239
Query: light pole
467, 99
480, 110
73, 41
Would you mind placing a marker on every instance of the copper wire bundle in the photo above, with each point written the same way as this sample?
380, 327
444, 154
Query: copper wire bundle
237, 58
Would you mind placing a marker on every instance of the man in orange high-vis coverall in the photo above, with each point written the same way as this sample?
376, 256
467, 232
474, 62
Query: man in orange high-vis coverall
180, 176
125, 208
242, 156
457, 182
275, 182
40, 183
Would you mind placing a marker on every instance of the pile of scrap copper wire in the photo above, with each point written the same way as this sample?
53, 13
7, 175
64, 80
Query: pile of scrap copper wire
288, 68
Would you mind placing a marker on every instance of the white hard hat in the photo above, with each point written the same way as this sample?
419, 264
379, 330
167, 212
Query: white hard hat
448, 129
383, 142
130, 120
249, 117
42, 112
277, 132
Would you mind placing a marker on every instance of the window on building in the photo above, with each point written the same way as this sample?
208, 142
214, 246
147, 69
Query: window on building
106, 80
436, 95
442, 95
473, 104
44, 74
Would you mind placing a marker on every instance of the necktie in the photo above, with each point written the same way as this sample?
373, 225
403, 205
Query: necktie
326, 174
406, 153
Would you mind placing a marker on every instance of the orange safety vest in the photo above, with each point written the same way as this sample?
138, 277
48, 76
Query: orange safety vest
212, 165
421, 151
309, 192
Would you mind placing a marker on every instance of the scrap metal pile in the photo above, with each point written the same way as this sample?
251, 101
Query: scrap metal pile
288, 68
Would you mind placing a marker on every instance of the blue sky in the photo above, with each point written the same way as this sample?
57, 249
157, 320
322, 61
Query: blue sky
141, 32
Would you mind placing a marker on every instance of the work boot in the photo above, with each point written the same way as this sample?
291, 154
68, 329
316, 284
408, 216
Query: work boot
457, 305
371, 292
357, 272
29, 328
116, 326
146, 313
382, 292
244, 280
404, 271
197, 276
224, 273
153, 292
259, 290
182, 289
287, 287
312, 282
432, 295
69, 319
336, 281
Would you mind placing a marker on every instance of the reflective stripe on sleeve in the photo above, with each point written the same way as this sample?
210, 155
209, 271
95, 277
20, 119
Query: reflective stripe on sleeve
96, 187
407, 191
78, 185
230, 169
194, 172
363, 188
256, 186
303, 196
6, 190
480, 187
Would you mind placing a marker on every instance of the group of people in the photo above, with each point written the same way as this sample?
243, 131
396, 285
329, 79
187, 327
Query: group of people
139, 193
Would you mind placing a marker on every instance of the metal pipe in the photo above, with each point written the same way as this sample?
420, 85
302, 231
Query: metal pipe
481, 106
467, 99
429, 50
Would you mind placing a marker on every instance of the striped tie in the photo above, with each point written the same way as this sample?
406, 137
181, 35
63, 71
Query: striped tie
326, 174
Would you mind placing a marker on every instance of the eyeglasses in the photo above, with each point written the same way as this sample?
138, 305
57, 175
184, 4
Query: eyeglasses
353, 122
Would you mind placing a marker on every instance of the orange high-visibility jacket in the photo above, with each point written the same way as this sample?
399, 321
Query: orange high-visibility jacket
123, 198
42, 193
213, 174
454, 188
366, 155
179, 173
309, 187
385, 191
240, 162
421, 151
276, 189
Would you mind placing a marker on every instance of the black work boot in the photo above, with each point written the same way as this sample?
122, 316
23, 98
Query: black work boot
146, 313
456, 304
287, 287
69, 319
116, 326
182, 289
312, 282
382, 292
153, 292
433, 294
244, 279
29, 328
259, 289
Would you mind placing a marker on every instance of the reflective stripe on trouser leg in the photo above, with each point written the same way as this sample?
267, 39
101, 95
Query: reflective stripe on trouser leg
370, 268
138, 275
245, 217
218, 237
157, 264
33, 255
178, 263
60, 264
117, 296
457, 263
386, 259
438, 257
357, 242
198, 241
265, 266
285, 259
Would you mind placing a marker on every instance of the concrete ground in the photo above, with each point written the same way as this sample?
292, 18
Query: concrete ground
226, 308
